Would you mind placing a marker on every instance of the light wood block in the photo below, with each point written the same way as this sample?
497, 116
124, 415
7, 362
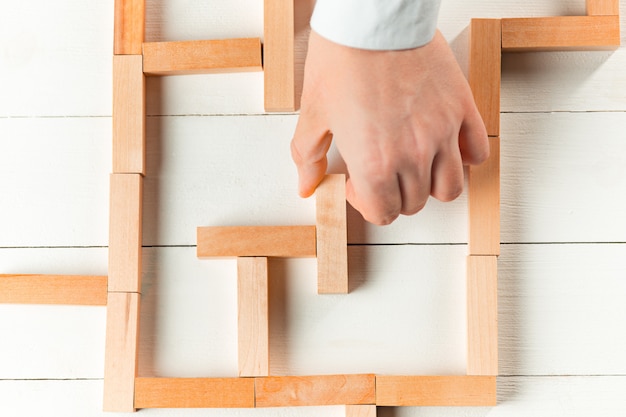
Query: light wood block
484, 203
53, 289
560, 33
253, 317
129, 104
360, 411
485, 70
428, 391
202, 57
265, 241
194, 393
602, 7
125, 232
129, 26
482, 315
120, 362
294, 391
278, 55
332, 236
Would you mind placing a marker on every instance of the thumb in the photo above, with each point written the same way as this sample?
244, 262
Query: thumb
309, 147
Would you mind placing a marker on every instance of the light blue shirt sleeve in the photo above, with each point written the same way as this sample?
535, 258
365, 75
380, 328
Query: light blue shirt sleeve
376, 24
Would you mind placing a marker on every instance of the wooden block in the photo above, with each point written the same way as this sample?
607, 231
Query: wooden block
278, 55
253, 317
120, 363
485, 70
484, 203
560, 33
129, 104
482, 315
202, 57
194, 393
129, 26
53, 289
265, 241
428, 391
296, 391
332, 236
360, 411
602, 7
125, 233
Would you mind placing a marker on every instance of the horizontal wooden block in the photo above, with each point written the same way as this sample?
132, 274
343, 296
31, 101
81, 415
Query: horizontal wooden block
360, 411
202, 57
485, 70
129, 26
297, 391
264, 241
120, 362
602, 7
125, 232
427, 391
332, 235
53, 289
278, 55
484, 203
482, 315
194, 393
129, 109
560, 33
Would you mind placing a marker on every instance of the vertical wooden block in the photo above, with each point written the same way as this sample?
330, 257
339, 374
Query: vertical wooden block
332, 236
485, 70
120, 366
125, 233
602, 7
482, 315
129, 26
253, 319
129, 111
278, 55
484, 204
360, 411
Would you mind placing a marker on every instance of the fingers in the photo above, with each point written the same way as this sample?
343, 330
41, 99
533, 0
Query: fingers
473, 141
447, 175
309, 147
378, 201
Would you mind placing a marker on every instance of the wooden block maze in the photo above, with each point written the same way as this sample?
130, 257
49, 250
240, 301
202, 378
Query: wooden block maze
134, 59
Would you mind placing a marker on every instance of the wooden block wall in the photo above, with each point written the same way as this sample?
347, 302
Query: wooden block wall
129, 26
602, 7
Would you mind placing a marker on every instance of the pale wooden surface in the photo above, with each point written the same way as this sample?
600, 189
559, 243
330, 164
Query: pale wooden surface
562, 267
53, 289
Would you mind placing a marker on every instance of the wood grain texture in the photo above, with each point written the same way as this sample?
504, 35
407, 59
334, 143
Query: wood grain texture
194, 392
253, 317
560, 33
360, 411
482, 315
428, 391
120, 362
297, 391
264, 241
129, 113
602, 7
485, 70
278, 55
125, 232
484, 203
129, 26
202, 57
332, 235
53, 289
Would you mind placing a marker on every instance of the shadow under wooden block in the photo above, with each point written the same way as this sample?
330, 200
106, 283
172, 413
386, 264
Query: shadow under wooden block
332, 235
482, 315
129, 104
579, 33
360, 411
129, 26
264, 241
194, 393
432, 391
125, 232
484, 203
120, 362
602, 7
300, 391
53, 289
485, 70
253, 317
202, 57
279, 56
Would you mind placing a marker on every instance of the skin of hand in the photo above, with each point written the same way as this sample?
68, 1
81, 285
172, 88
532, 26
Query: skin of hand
404, 122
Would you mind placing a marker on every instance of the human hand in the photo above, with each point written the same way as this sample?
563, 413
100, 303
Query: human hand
405, 123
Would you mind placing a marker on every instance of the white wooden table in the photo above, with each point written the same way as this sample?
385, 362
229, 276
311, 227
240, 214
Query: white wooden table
215, 158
